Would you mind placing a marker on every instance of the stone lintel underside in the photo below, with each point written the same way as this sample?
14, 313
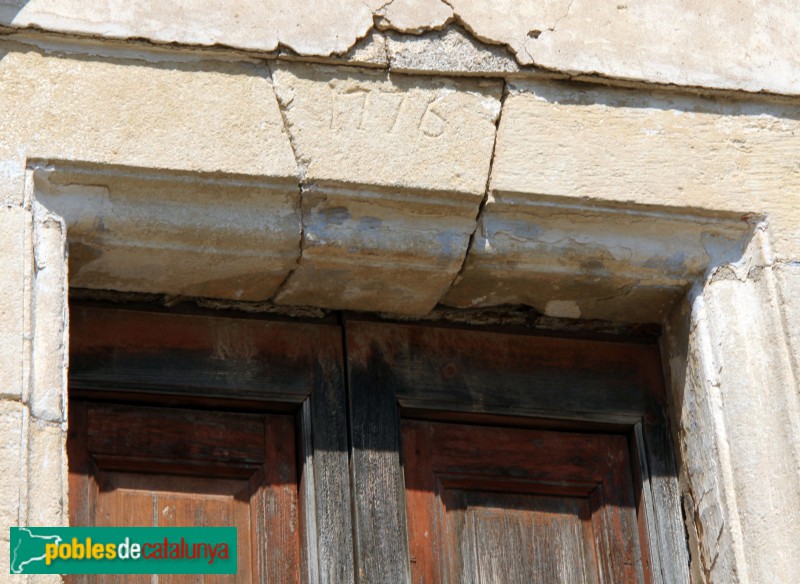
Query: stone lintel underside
130, 229
582, 260
370, 250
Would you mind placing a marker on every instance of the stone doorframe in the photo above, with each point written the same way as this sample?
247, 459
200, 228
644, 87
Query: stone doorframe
380, 228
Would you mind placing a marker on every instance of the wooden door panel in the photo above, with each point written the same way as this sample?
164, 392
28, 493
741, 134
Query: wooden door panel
497, 538
143, 466
225, 361
489, 504
133, 499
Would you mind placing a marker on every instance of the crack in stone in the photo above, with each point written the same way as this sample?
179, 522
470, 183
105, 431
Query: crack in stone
486, 194
302, 168
562, 17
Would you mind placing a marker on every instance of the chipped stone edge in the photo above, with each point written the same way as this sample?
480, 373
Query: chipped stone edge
138, 49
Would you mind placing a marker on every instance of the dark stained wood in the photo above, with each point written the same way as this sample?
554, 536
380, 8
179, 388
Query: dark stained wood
496, 505
351, 493
80, 475
176, 434
237, 359
452, 370
381, 544
643, 501
133, 465
183, 366
331, 468
664, 517
519, 538
492, 378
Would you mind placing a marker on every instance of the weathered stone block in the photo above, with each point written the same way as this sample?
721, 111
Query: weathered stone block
374, 129
13, 461
379, 250
574, 260
49, 320
246, 24
205, 117
47, 474
415, 16
656, 149
395, 170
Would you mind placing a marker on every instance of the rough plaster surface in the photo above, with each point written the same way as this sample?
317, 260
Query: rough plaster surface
452, 51
751, 47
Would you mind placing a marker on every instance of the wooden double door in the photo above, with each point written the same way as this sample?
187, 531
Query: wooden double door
361, 451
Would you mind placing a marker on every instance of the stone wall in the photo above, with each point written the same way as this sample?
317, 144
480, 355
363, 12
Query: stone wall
589, 165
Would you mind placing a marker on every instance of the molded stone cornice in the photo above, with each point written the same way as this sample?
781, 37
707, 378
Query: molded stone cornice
375, 249
129, 229
576, 260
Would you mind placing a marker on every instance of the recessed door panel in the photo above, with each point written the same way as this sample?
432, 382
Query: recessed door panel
172, 467
504, 505
513, 538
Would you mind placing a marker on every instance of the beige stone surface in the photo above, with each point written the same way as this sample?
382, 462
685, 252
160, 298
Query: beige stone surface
714, 529
131, 229
395, 170
655, 149
731, 352
664, 42
571, 260
415, 16
186, 21
367, 52
316, 27
49, 318
13, 461
668, 42
47, 474
14, 230
760, 405
200, 117
369, 128
788, 289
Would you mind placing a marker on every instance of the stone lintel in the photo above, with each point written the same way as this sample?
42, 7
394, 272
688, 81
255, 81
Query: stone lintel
379, 249
585, 260
131, 229
394, 171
